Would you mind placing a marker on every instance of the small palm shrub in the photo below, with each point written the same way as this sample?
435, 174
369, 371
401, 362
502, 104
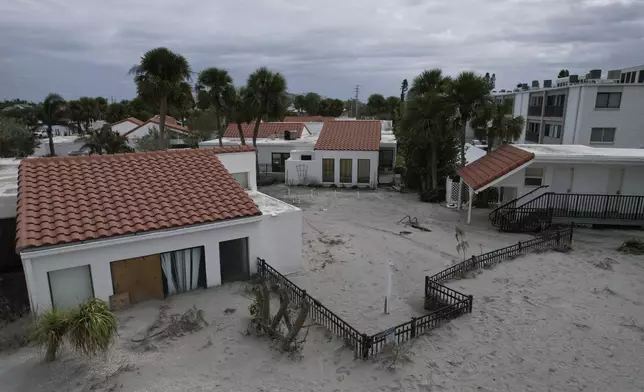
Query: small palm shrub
51, 328
92, 327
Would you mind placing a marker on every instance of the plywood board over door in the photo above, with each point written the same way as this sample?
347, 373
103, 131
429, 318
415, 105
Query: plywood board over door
141, 277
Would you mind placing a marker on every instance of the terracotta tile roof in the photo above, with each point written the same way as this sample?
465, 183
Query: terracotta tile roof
308, 119
494, 165
352, 135
227, 149
266, 129
130, 119
71, 199
172, 124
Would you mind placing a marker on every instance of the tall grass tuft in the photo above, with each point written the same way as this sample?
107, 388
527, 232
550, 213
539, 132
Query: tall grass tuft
51, 328
92, 327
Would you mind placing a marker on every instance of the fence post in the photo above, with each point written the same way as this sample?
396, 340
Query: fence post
473, 262
413, 327
366, 345
470, 299
572, 224
558, 237
519, 245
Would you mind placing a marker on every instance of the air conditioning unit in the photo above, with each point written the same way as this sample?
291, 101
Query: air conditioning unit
287, 135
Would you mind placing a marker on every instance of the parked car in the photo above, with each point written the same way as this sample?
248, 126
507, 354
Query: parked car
81, 151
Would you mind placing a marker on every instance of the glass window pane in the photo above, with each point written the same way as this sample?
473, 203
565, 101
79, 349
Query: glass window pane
613, 100
596, 135
345, 170
328, 170
602, 100
363, 171
534, 172
609, 135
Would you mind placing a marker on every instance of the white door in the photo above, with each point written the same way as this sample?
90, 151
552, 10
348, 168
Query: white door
70, 286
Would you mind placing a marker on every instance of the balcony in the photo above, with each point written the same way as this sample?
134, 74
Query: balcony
534, 111
554, 111
532, 137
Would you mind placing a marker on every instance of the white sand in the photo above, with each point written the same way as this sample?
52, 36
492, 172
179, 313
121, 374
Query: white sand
550, 321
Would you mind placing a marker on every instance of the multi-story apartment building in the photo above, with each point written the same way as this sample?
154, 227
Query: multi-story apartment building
588, 110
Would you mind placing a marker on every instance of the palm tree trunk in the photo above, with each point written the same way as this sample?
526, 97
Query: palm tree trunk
162, 110
241, 134
50, 135
434, 163
218, 129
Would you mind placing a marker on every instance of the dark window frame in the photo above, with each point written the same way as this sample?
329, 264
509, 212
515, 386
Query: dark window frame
306, 158
325, 174
602, 138
362, 179
344, 177
608, 96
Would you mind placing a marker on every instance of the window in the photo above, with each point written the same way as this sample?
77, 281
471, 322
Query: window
242, 179
561, 99
641, 78
546, 130
328, 170
278, 159
532, 134
622, 79
608, 100
556, 131
602, 135
533, 176
364, 167
306, 157
550, 100
386, 158
346, 172
632, 77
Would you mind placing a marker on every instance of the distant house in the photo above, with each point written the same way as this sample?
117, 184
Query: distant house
126, 125
346, 153
147, 225
171, 125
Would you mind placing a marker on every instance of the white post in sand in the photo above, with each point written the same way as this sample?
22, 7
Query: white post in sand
460, 194
390, 268
469, 210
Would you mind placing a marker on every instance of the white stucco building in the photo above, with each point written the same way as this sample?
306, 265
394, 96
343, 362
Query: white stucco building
580, 174
587, 110
126, 125
169, 222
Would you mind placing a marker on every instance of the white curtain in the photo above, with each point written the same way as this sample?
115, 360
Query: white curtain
181, 269
166, 266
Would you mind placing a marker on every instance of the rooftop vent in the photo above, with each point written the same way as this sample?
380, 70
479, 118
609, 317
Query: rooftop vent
535, 84
547, 83
573, 78
595, 74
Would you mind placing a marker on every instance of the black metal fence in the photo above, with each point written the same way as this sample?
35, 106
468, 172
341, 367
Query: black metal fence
442, 302
560, 238
317, 312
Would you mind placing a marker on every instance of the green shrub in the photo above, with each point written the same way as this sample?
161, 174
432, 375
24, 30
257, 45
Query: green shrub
51, 328
632, 246
92, 327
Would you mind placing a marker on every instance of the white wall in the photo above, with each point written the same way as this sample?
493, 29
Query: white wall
241, 162
144, 130
277, 239
314, 171
124, 127
582, 116
313, 168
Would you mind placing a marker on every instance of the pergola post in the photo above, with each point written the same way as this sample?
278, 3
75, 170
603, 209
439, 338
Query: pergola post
469, 209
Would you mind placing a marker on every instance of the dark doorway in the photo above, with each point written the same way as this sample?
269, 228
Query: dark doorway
233, 260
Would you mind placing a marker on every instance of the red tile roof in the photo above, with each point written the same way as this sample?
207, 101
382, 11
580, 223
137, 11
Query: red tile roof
227, 149
170, 123
308, 119
266, 129
71, 199
352, 135
494, 165
130, 119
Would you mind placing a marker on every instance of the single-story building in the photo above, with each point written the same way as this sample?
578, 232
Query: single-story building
147, 225
346, 153
172, 128
573, 182
126, 125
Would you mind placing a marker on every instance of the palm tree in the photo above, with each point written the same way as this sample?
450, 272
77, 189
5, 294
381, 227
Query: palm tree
52, 112
219, 86
159, 75
239, 111
494, 121
75, 114
89, 110
105, 141
267, 96
431, 110
468, 92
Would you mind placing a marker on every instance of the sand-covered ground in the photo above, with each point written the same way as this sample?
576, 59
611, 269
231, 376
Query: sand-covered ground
543, 322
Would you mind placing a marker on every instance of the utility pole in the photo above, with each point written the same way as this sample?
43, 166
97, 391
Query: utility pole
357, 90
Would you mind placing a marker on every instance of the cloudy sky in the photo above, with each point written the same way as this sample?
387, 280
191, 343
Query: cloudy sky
85, 47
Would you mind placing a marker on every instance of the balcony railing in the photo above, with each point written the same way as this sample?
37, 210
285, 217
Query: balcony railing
532, 137
534, 110
554, 111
